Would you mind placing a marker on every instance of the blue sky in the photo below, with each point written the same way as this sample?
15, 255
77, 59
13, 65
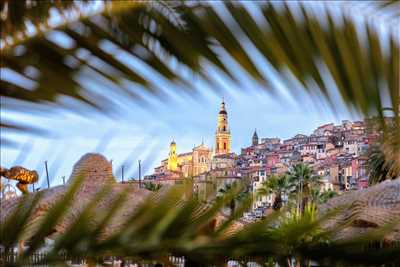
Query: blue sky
142, 129
135, 132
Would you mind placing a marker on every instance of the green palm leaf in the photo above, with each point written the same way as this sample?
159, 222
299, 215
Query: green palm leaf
320, 53
359, 67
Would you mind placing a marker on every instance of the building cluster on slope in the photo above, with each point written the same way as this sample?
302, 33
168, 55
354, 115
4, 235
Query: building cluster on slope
335, 152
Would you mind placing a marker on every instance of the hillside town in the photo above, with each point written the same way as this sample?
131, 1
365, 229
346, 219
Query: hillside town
336, 153
118, 148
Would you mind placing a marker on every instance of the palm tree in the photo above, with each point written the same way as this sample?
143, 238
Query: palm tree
241, 192
318, 197
378, 166
303, 181
320, 49
326, 195
152, 186
224, 190
383, 161
277, 185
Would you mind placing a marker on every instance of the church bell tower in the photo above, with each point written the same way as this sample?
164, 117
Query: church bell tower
254, 140
172, 157
223, 134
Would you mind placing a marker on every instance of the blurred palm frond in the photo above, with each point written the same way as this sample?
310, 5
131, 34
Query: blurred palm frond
323, 48
171, 223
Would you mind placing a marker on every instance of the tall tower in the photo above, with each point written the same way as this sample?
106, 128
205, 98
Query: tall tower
254, 140
222, 135
172, 157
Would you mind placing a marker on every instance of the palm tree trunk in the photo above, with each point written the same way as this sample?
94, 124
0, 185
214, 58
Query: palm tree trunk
232, 206
305, 199
277, 202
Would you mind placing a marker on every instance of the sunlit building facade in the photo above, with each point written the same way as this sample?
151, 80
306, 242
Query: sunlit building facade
198, 160
223, 134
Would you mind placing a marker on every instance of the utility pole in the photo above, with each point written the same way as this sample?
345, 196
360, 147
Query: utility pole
140, 174
47, 174
300, 193
122, 171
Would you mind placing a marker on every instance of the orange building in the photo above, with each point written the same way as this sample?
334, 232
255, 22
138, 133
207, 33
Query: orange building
223, 134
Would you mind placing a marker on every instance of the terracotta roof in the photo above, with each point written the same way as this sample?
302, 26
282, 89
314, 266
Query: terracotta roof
185, 154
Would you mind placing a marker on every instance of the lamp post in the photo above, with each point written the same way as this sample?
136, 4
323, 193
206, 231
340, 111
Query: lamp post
140, 174
122, 173
47, 174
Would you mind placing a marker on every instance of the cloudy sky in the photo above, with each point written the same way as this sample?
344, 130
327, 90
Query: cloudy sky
143, 129
138, 131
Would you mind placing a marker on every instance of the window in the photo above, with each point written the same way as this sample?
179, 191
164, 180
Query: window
224, 145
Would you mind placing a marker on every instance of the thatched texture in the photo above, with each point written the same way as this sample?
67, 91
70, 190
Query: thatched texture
368, 209
96, 174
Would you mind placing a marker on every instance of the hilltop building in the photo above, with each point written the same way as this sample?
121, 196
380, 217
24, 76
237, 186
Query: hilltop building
172, 157
335, 152
254, 140
184, 165
223, 134
200, 159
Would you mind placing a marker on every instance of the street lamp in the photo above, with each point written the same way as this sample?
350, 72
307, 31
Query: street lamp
140, 170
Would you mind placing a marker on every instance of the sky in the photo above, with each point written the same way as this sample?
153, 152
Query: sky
144, 132
143, 129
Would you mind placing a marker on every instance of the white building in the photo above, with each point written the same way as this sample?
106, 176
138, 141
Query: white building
258, 200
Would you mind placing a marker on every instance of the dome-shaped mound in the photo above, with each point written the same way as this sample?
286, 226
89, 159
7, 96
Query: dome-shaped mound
93, 168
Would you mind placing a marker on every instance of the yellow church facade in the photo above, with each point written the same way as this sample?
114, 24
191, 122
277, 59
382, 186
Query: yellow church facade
197, 161
186, 164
